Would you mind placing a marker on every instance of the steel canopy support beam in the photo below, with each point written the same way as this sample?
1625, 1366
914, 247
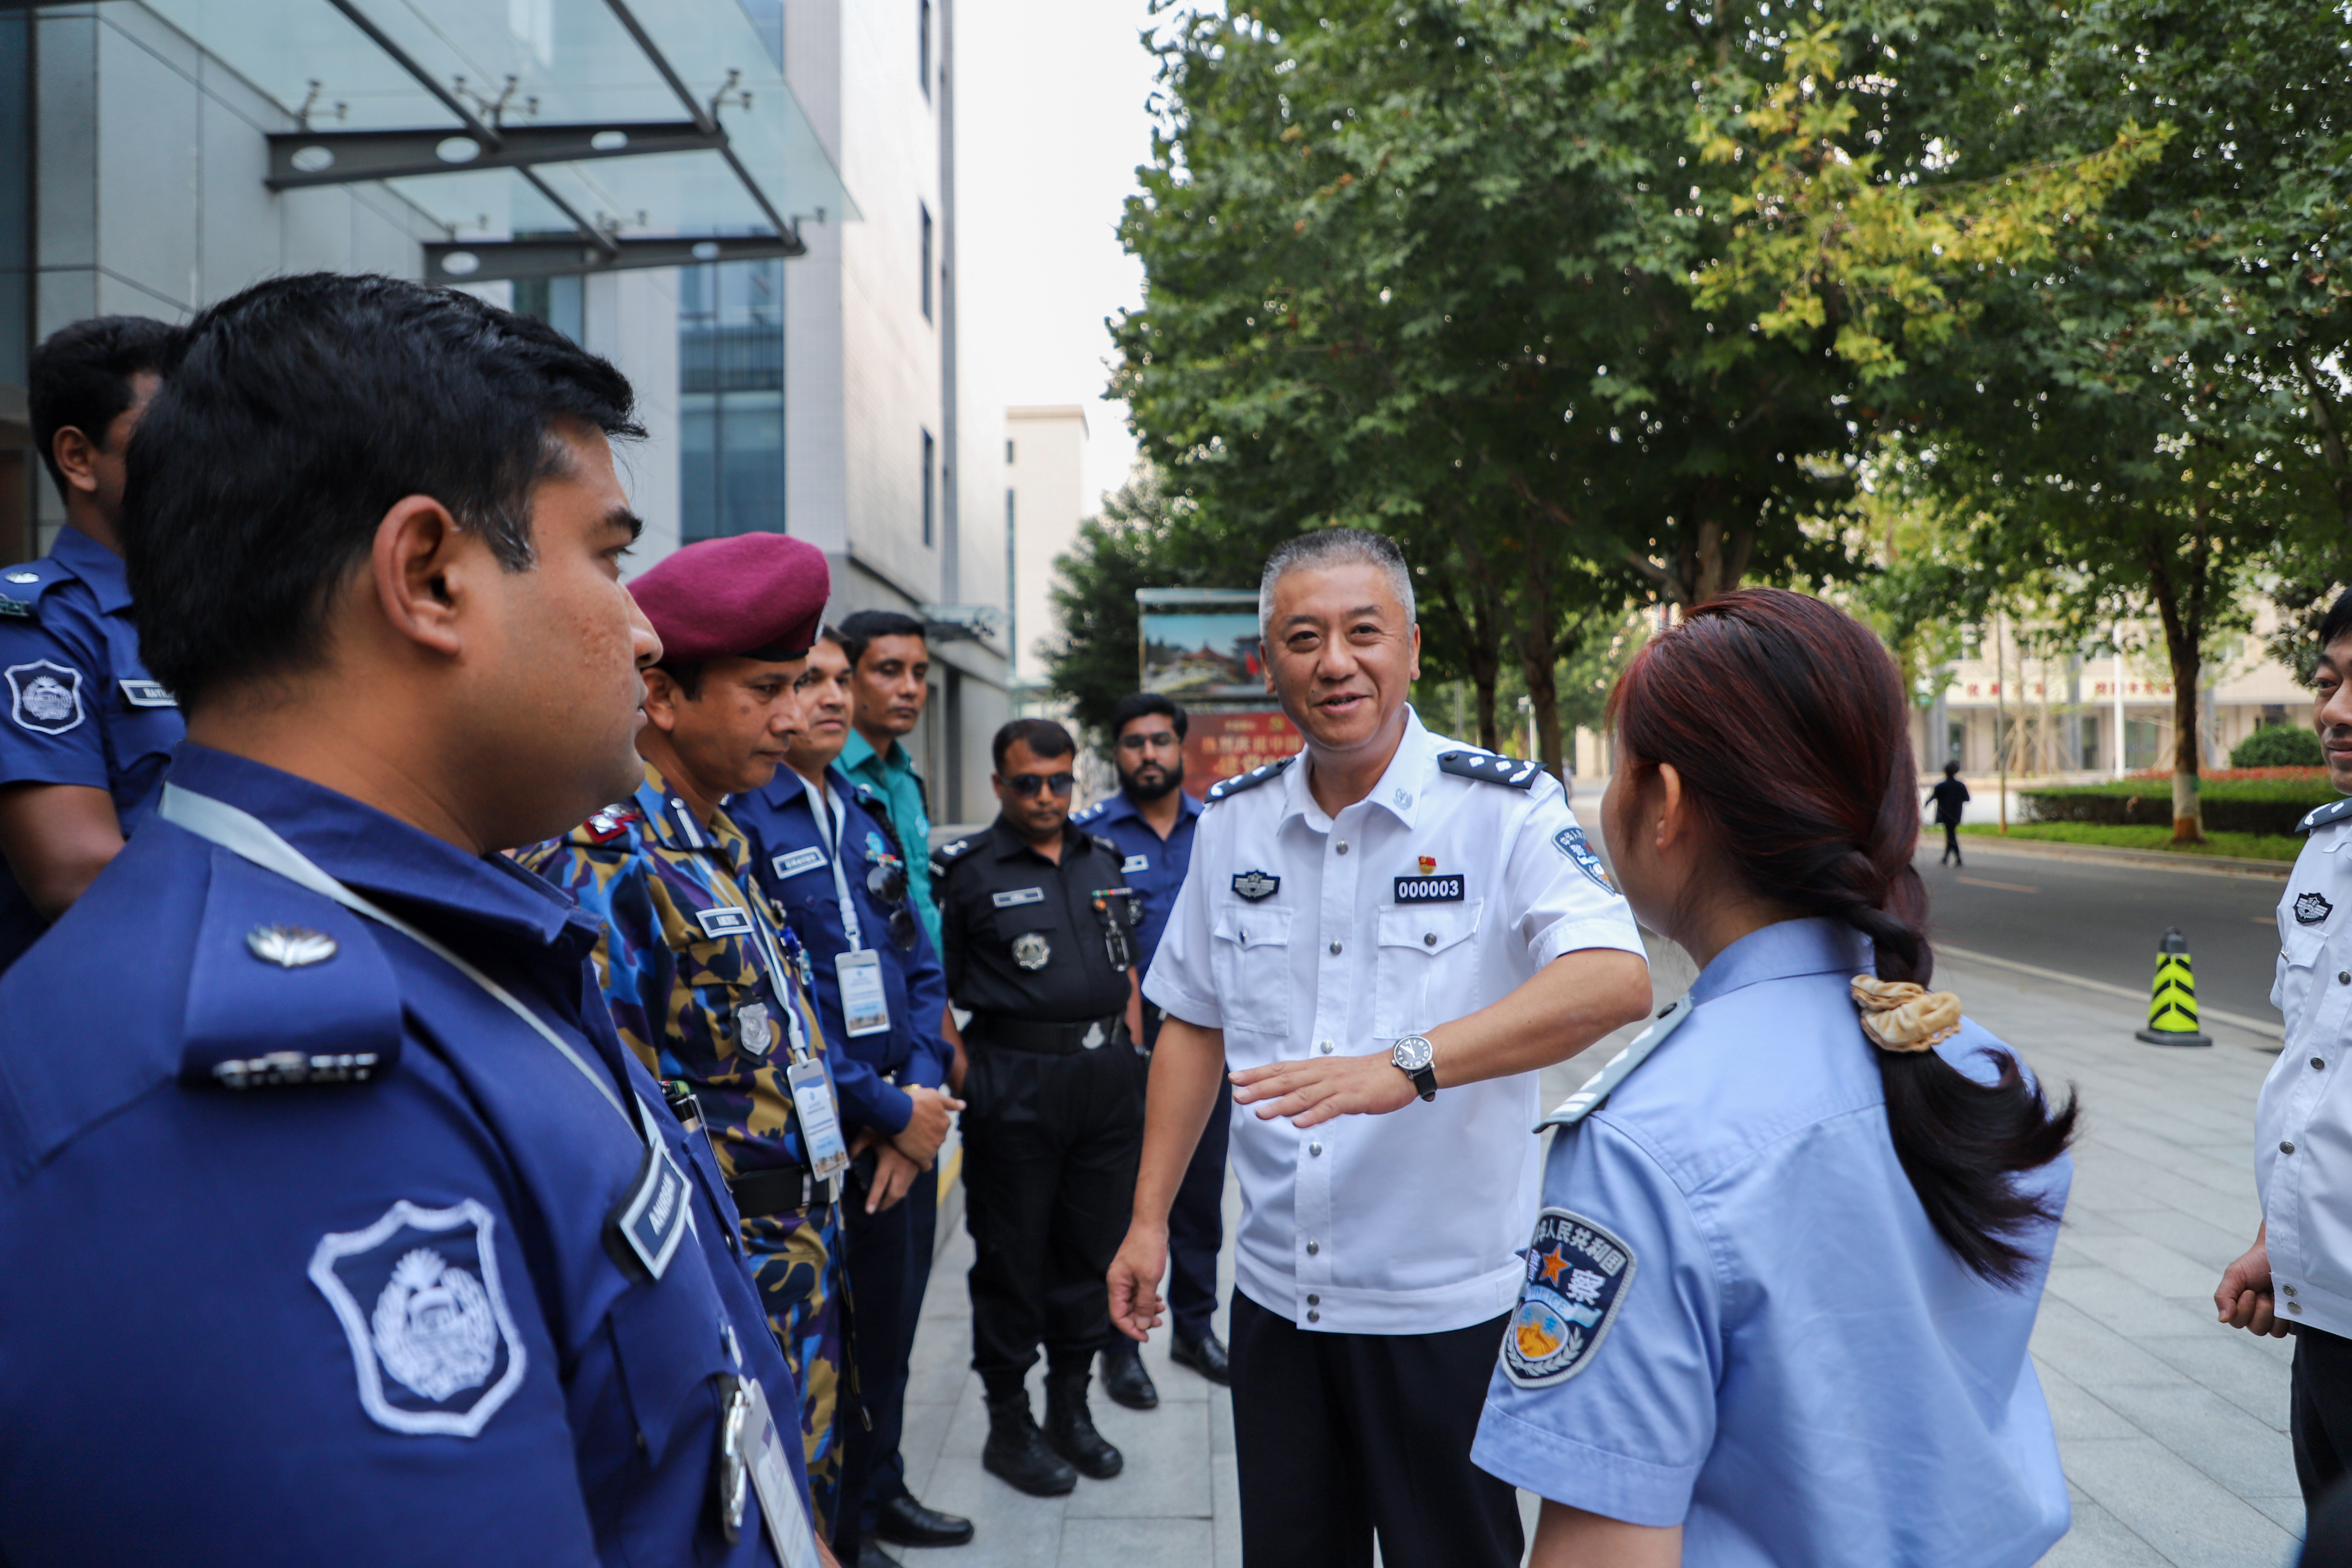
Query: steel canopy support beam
704, 116
301, 158
492, 260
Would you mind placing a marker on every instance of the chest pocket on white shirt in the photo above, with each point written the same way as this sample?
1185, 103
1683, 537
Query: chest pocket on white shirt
1427, 967
1251, 965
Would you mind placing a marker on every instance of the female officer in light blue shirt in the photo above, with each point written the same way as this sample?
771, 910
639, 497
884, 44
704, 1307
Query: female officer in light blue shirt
1792, 1241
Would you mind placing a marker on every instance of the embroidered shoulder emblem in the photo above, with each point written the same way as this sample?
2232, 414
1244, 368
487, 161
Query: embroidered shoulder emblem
1570, 842
418, 1296
2312, 908
1249, 780
1577, 1277
45, 698
1488, 768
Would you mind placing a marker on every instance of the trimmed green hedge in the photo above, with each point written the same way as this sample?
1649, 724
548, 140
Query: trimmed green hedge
2231, 805
2279, 746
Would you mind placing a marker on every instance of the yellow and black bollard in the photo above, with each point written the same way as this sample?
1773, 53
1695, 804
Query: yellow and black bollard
2172, 1003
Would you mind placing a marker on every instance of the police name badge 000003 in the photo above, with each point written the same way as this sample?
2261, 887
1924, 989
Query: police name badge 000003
865, 1008
812, 1089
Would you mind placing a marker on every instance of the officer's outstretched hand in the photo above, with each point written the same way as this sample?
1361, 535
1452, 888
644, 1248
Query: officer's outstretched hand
2243, 1297
1135, 1275
1320, 1088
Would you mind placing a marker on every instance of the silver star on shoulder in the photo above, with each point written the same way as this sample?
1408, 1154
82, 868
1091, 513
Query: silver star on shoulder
290, 947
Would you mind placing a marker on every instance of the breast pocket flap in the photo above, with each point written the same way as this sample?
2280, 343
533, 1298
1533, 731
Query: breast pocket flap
1430, 928
1249, 928
670, 1349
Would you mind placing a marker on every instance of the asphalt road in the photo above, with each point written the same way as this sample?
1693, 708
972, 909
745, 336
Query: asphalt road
2103, 921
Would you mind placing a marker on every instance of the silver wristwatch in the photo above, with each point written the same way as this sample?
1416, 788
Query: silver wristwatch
1415, 1058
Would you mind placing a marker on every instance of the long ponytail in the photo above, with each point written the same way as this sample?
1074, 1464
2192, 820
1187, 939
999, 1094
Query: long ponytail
1826, 825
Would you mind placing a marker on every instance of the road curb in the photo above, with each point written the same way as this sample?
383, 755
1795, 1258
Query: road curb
2101, 854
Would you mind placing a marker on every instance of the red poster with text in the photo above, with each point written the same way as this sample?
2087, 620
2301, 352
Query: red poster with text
1219, 746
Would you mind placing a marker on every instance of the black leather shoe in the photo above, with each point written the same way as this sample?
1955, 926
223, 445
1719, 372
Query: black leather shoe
1017, 1455
906, 1522
870, 1555
1205, 1355
1124, 1378
1070, 1427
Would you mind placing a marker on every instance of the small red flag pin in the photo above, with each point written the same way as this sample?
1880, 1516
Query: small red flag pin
1428, 864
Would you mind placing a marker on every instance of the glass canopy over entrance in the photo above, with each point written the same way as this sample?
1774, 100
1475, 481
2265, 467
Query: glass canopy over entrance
545, 136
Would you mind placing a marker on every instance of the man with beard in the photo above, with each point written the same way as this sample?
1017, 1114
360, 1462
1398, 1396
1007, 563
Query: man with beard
1150, 819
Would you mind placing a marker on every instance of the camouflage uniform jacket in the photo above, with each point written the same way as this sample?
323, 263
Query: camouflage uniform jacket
688, 976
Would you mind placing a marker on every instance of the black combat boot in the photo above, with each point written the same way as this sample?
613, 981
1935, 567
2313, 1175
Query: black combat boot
1123, 1376
1070, 1429
1016, 1451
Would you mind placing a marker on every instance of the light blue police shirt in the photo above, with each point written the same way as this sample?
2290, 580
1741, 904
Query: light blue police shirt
1759, 1336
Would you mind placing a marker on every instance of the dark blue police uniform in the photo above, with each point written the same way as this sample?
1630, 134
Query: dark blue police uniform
889, 1253
306, 1234
82, 710
1155, 868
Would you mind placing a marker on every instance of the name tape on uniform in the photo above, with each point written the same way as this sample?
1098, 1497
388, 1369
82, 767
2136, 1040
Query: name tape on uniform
148, 694
798, 861
1017, 897
1135, 863
1445, 889
726, 920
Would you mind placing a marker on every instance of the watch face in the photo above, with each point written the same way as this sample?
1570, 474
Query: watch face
1413, 1053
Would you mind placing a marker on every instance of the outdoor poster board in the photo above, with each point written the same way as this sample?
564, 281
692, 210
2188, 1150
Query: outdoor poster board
1200, 647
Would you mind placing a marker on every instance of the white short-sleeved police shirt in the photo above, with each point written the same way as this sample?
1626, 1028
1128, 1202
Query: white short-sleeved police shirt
1738, 1318
2303, 1127
1302, 934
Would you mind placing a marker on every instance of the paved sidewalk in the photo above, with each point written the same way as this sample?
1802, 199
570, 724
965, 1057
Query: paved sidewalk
2172, 1428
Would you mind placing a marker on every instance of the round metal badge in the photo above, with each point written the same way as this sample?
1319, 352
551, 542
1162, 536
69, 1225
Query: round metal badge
1030, 949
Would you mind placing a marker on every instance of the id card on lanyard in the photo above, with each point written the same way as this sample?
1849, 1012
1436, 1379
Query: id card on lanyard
865, 1008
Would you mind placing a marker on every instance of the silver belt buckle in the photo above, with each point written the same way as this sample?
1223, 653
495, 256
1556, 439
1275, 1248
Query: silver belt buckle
733, 1470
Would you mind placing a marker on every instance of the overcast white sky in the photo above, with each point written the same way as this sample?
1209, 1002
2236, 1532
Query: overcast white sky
1050, 125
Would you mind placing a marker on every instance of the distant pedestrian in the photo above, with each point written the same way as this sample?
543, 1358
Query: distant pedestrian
2291, 1280
1950, 795
1776, 1305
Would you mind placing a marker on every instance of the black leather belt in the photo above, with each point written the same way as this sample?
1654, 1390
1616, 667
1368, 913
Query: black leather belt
775, 1192
1051, 1039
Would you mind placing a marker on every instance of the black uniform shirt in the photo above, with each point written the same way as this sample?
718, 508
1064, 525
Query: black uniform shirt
1019, 933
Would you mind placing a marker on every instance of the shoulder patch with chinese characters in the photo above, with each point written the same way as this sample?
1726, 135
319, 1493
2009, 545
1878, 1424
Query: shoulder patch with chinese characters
418, 1296
1577, 1277
2312, 908
1570, 841
1488, 768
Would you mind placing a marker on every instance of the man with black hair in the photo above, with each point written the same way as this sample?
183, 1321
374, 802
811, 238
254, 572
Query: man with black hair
88, 731
890, 676
1150, 819
2291, 1280
1040, 947
424, 1263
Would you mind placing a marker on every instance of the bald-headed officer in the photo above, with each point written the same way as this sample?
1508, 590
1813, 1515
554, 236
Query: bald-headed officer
337, 1222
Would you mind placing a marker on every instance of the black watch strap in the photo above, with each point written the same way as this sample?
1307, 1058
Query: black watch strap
1425, 1082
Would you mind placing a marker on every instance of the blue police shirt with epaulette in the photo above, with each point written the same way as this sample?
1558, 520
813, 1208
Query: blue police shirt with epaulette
369, 1314
791, 859
1154, 867
82, 709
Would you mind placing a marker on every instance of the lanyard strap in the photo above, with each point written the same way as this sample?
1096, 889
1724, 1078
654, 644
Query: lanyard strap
242, 833
831, 830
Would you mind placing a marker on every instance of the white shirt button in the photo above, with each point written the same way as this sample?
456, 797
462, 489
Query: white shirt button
2344, 977
1314, 1151
1429, 939
2287, 1288
2291, 1305
1326, 1048
1314, 1300
1341, 847
1334, 947
1313, 1247
1314, 1317
2286, 1146
2317, 1064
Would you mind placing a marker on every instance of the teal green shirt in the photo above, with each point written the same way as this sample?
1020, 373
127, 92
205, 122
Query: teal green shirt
894, 778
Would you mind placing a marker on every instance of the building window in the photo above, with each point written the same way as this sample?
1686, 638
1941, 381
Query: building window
1012, 595
923, 43
730, 383
930, 484
927, 259
1008, 463
561, 303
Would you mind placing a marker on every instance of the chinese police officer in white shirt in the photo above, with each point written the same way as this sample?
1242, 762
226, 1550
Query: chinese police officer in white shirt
1385, 938
2298, 1276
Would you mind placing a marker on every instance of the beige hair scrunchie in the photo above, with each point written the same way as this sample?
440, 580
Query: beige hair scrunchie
1898, 1016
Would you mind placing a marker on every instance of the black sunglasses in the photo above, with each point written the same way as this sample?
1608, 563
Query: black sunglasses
886, 881
1030, 784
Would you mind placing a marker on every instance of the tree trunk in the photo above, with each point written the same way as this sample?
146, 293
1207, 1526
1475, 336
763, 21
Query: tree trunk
2327, 418
2182, 627
1490, 731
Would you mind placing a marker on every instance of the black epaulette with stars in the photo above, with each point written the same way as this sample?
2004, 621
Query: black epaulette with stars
1488, 768
1249, 780
2334, 811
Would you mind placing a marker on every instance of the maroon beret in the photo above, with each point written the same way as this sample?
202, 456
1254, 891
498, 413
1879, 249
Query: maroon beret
755, 596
